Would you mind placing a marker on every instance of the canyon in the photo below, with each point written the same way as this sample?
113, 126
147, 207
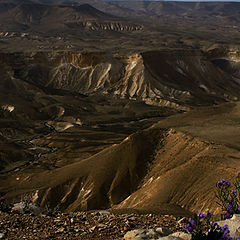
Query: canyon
100, 110
68, 123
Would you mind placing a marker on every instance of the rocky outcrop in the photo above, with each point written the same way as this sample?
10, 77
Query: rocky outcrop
233, 225
176, 80
32, 16
151, 234
115, 26
140, 234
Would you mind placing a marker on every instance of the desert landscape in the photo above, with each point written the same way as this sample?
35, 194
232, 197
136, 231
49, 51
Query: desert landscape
124, 107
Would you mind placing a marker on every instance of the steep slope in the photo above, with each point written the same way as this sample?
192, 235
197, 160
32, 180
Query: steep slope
65, 115
171, 167
49, 127
227, 11
175, 79
44, 18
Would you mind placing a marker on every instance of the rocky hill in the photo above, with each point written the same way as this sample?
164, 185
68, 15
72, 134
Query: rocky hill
20, 16
185, 79
74, 117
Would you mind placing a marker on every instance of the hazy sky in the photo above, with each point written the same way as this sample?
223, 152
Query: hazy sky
175, 0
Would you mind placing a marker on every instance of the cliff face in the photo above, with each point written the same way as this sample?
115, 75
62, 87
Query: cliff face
70, 117
41, 17
177, 80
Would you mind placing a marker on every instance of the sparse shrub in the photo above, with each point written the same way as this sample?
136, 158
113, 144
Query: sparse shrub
202, 228
229, 199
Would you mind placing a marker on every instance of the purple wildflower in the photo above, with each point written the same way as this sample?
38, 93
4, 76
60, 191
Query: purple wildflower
233, 193
209, 213
227, 215
201, 215
214, 226
190, 226
223, 183
228, 207
2, 198
225, 233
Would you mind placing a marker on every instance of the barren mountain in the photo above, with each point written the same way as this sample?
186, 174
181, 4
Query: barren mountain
128, 106
221, 10
38, 17
171, 167
185, 79
70, 117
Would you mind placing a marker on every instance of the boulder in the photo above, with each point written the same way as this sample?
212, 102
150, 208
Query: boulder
23, 207
233, 225
139, 234
177, 236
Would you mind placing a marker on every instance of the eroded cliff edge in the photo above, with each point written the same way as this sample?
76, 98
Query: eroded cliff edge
75, 109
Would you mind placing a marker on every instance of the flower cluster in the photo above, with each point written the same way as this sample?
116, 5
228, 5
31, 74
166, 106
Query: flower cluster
202, 228
223, 183
229, 199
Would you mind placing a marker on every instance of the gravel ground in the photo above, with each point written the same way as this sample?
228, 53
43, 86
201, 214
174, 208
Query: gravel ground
80, 225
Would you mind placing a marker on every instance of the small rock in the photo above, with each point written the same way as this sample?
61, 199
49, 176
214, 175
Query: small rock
132, 218
233, 225
182, 235
102, 225
177, 236
93, 228
126, 228
236, 217
2, 235
29, 208
139, 234
60, 230
182, 220
103, 212
136, 234
163, 230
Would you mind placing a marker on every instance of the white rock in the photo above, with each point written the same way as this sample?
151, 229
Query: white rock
233, 225
171, 238
185, 236
21, 207
182, 220
103, 212
177, 236
2, 235
92, 228
236, 217
102, 225
8, 108
163, 230
139, 234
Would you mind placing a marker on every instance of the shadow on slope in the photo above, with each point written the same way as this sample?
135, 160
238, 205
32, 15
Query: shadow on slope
170, 168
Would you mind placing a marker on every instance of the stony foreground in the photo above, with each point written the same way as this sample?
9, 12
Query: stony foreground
81, 225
